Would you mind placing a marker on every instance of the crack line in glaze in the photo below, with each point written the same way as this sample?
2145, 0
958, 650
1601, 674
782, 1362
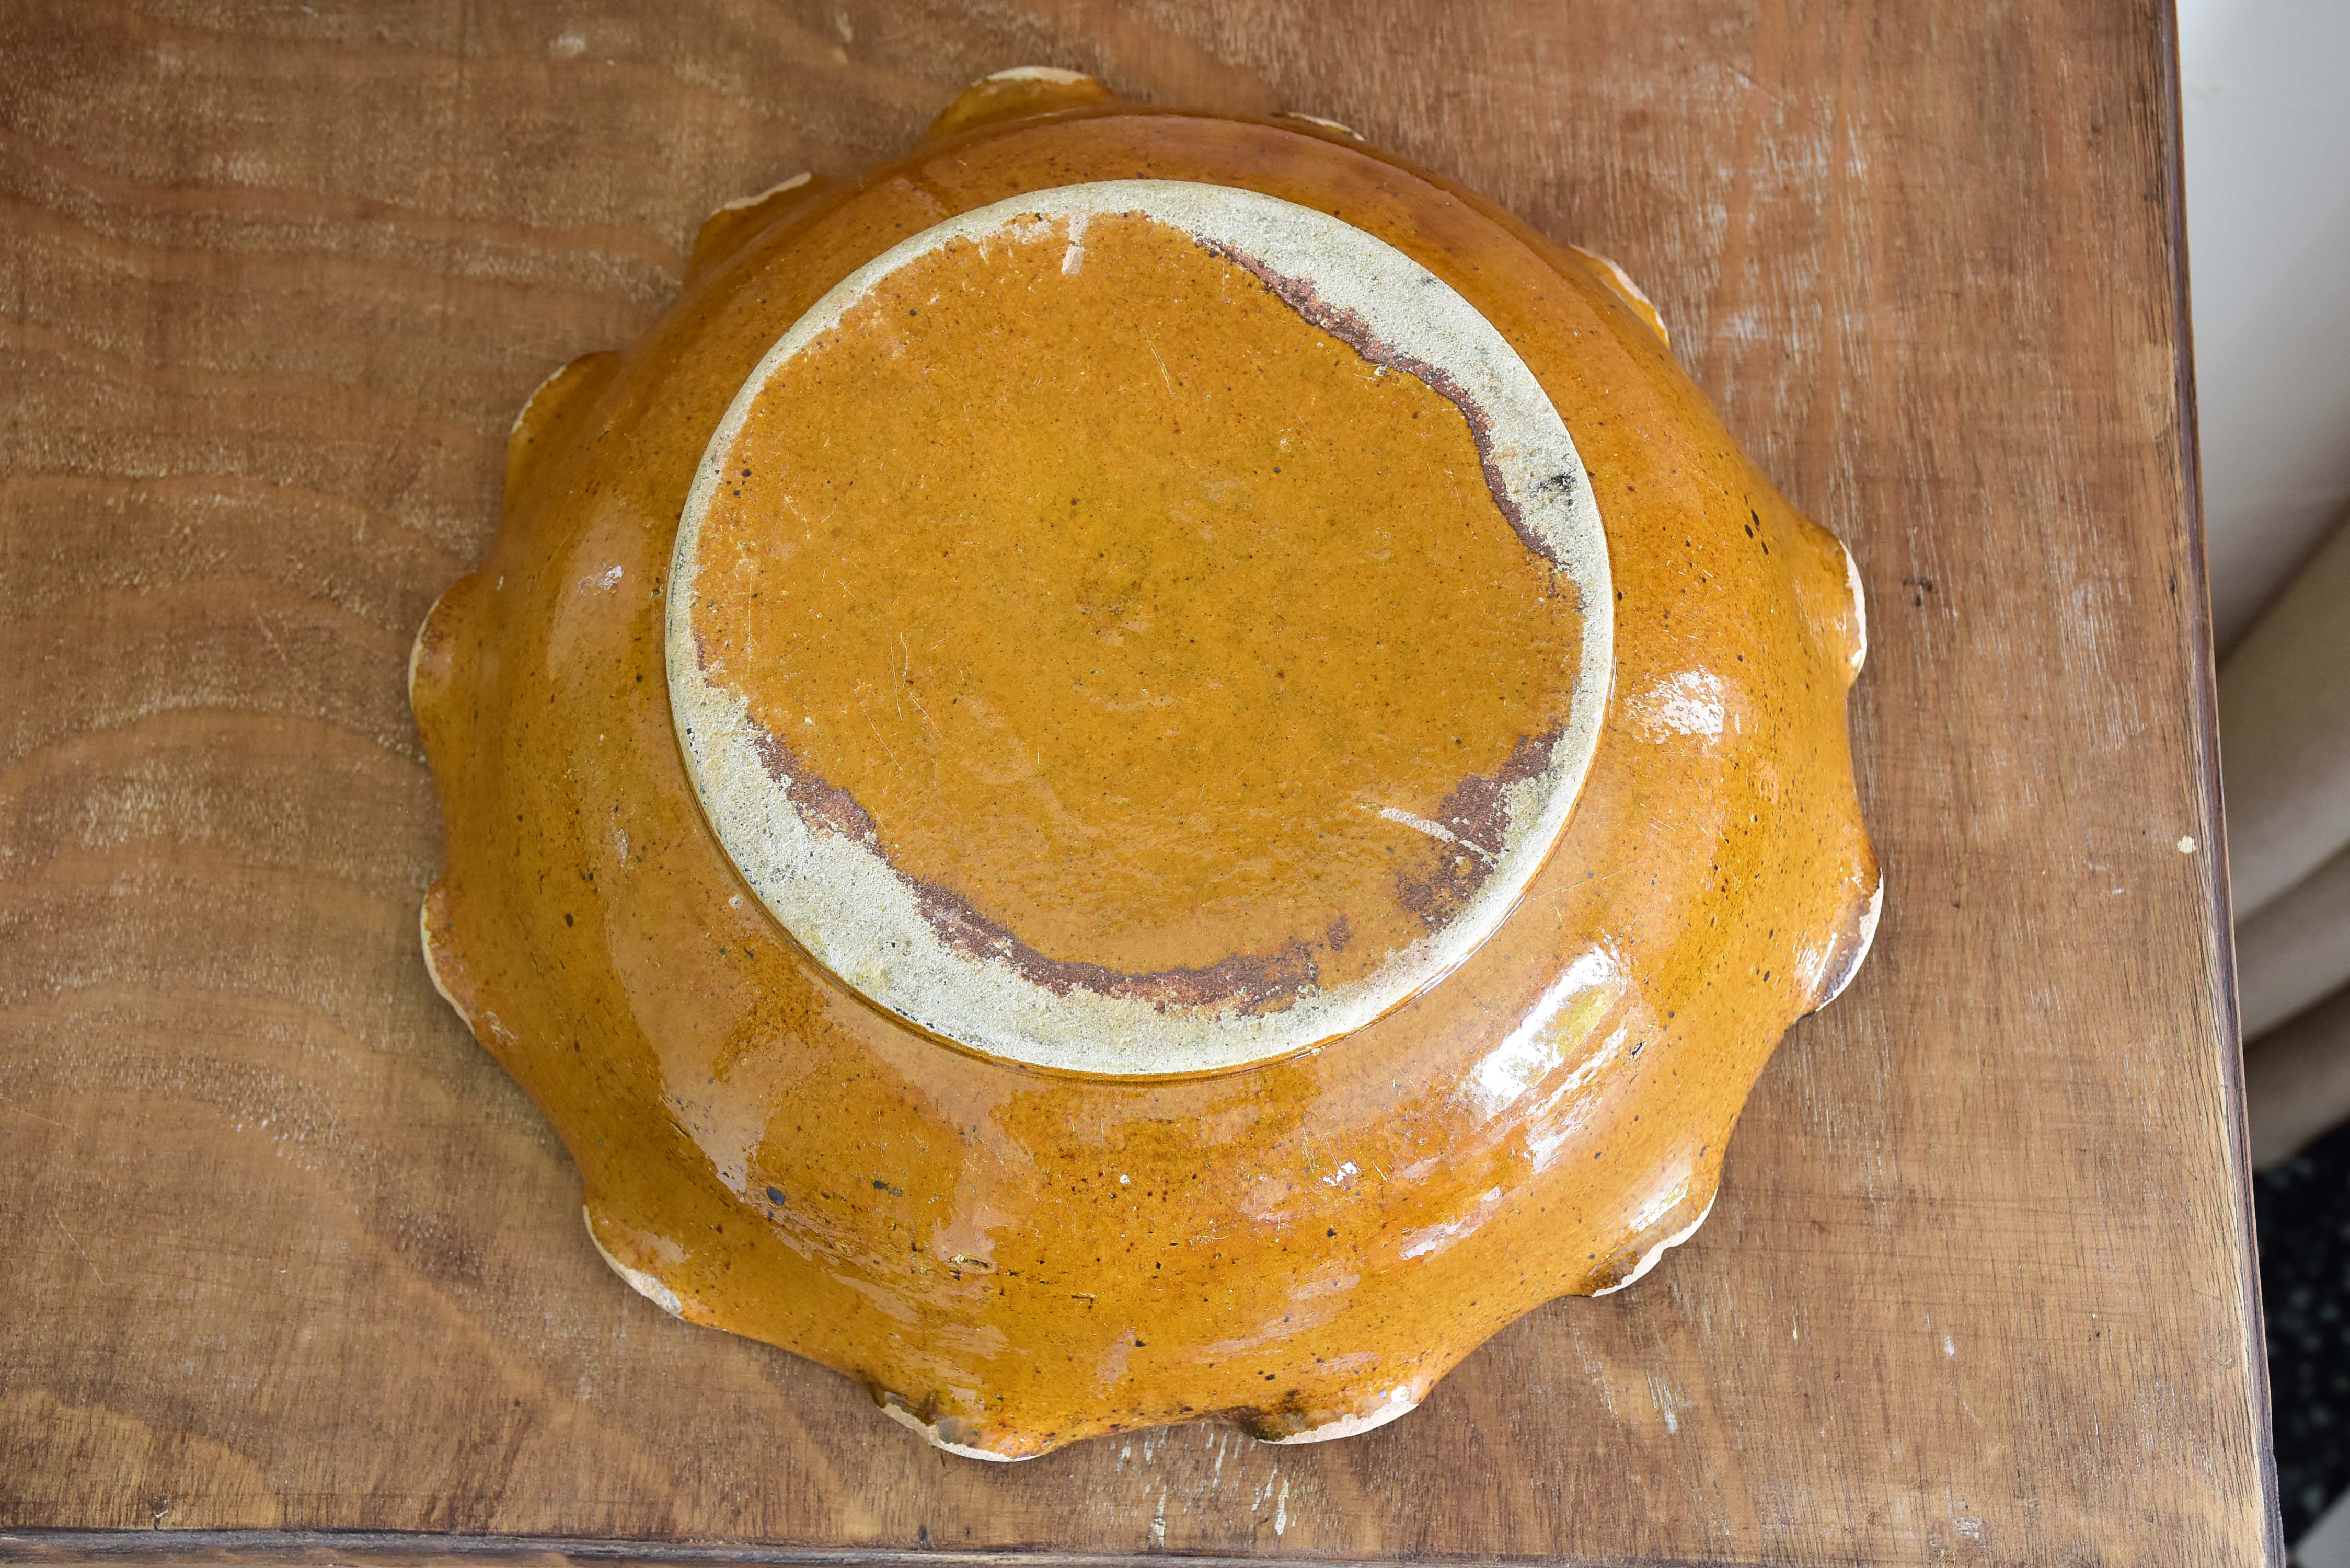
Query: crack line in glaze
922, 950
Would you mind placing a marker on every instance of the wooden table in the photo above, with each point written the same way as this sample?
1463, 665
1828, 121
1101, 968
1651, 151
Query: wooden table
287, 1255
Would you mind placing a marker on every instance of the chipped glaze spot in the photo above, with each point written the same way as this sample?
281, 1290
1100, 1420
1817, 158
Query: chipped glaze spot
1655, 1255
1317, 120
744, 203
1052, 75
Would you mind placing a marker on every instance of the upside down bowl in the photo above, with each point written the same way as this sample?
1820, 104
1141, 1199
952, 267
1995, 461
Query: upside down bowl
1146, 767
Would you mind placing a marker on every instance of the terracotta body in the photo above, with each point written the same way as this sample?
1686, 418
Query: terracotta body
1172, 654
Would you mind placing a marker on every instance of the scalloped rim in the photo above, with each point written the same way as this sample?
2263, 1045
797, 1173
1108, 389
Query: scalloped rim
744, 203
1655, 1254
1401, 1401
1624, 280
895, 1407
1325, 124
1053, 74
432, 962
648, 1285
1859, 606
1869, 915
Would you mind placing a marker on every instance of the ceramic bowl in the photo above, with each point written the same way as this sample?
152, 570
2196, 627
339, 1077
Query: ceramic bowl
1146, 767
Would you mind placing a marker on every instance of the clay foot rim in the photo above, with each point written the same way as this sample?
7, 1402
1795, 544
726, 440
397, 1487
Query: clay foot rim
1141, 627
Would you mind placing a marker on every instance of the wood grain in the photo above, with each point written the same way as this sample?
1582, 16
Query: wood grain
287, 1253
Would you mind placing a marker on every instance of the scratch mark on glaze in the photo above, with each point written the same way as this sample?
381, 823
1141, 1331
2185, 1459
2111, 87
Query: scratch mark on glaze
1149, 343
1435, 830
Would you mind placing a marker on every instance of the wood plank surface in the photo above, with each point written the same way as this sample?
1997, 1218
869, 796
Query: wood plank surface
286, 1252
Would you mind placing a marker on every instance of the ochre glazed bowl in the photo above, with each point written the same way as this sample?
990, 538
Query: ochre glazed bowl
1147, 767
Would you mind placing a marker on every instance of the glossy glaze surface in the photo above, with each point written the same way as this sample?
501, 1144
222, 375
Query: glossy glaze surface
1014, 1258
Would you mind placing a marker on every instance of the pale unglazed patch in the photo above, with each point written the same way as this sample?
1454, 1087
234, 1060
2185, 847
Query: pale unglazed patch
744, 203
895, 1407
530, 404
416, 645
1055, 75
1859, 610
1341, 130
1655, 1255
1864, 936
648, 1285
642, 1282
433, 964
849, 907
1639, 297
1401, 1401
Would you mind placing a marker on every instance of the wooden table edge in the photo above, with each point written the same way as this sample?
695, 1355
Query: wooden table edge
409, 1548
2203, 656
